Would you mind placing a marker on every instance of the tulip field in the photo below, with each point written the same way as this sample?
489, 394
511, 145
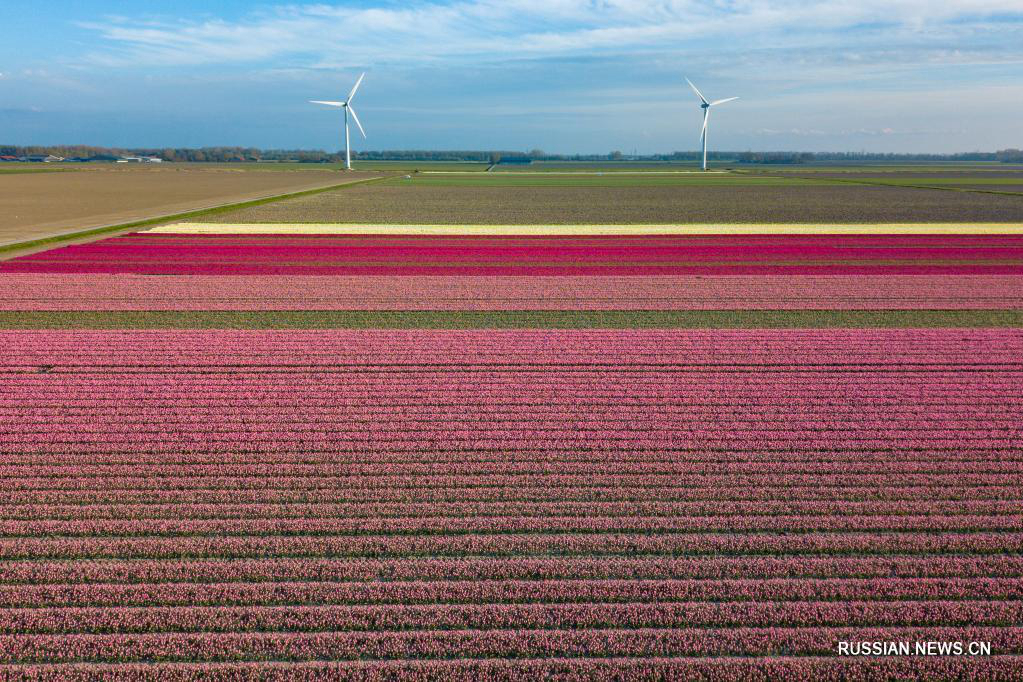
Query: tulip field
601, 255
465, 504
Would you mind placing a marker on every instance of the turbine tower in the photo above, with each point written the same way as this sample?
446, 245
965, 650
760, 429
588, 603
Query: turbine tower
705, 105
347, 106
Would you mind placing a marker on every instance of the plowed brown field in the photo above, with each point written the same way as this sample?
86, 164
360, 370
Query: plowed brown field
36, 205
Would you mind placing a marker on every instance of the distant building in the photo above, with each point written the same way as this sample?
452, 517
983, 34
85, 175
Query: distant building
8, 159
140, 159
40, 158
96, 157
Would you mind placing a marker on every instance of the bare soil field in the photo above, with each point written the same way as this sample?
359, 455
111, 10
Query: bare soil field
391, 203
35, 205
915, 173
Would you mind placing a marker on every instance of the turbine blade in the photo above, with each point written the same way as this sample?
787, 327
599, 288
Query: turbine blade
698, 93
703, 131
329, 104
355, 87
352, 112
722, 101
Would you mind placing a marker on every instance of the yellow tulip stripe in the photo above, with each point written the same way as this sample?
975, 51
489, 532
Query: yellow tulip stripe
583, 230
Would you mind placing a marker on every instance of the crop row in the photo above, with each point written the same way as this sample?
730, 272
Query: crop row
227, 292
626, 468
498, 509
1001, 668
865, 491
456, 347
822, 441
388, 486
959, 573
512, 545
230, 412
540, 430
950, 266
486, 617
636, 523
578, 457
492, 591
345, 255
478, 644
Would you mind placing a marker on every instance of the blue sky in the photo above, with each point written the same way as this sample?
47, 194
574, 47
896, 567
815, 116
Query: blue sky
561, 75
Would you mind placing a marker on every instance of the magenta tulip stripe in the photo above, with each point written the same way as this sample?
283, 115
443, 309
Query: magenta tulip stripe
716, 504
110, 292
217, 254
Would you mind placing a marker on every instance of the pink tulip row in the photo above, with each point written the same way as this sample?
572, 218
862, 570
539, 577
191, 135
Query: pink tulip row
366, 380
484, 617
824, 441
662, 380
522, 492
521, 461
750, 641
1001, 668
950, 267
960, 574
512, 545
271, 249
136, 412
539, 346
86, 429
492, 591
560, 487
452, 402
308, 527
340, 292
577, 457
477, 510
625, 468
997, 668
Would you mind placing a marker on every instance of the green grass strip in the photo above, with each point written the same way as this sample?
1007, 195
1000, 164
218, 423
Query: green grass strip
518, 319
188, 215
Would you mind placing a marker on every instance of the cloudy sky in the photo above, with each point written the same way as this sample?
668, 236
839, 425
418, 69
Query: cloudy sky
560, 75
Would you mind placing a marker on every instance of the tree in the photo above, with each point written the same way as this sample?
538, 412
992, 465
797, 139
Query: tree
495, 157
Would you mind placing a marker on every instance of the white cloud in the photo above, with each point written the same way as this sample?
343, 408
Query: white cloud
331, 36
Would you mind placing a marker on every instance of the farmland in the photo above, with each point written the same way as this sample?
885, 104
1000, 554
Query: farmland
655, 197
570, 426
40, 203
532, 501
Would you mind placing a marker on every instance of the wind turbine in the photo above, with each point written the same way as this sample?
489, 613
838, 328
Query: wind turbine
705, 105
347, 106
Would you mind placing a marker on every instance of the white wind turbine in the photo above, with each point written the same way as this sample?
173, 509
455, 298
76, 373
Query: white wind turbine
347, 106
705, 105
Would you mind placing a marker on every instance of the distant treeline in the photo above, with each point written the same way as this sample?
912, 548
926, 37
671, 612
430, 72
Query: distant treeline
242, 154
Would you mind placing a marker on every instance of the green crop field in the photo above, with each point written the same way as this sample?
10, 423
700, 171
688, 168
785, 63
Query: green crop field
18, 169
